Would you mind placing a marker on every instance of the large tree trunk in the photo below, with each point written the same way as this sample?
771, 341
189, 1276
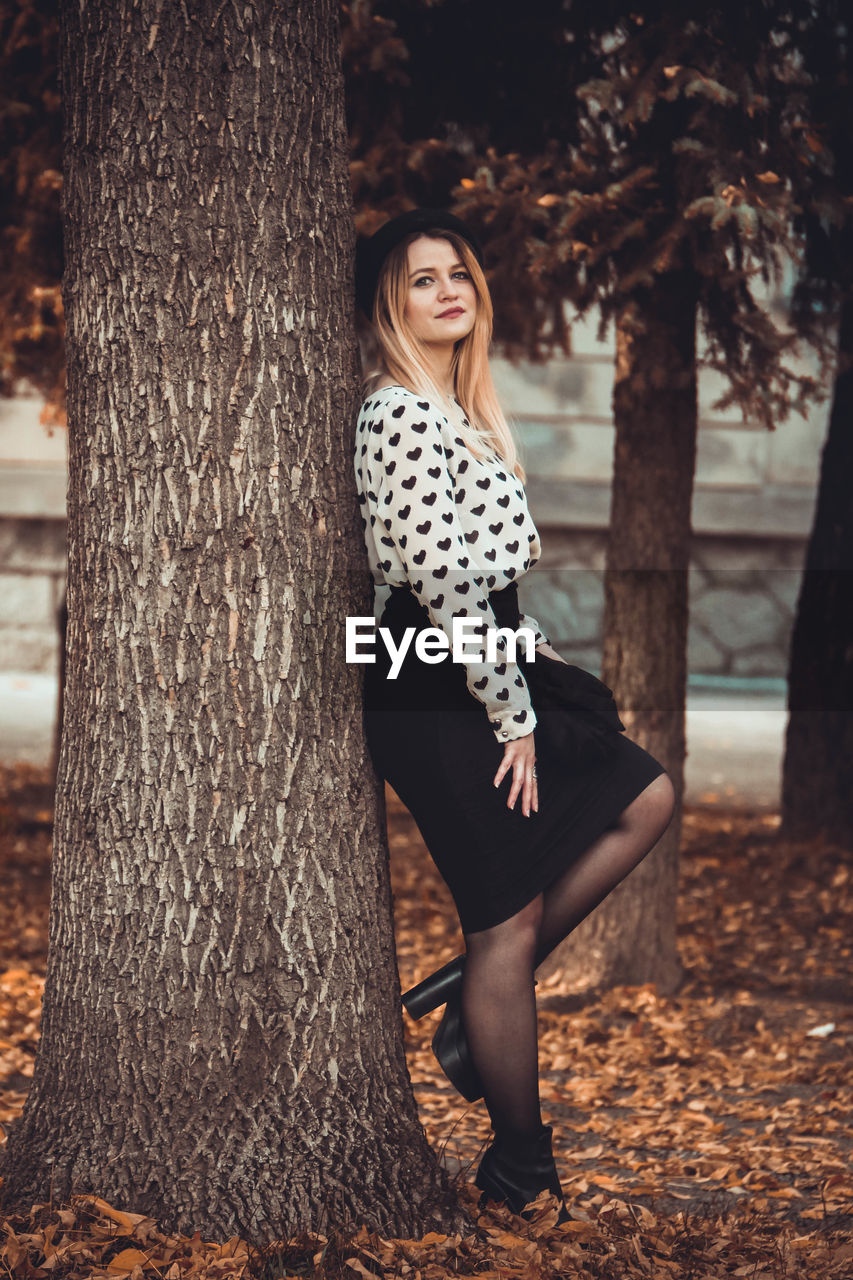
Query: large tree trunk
817, 796
631, 938
221, 1038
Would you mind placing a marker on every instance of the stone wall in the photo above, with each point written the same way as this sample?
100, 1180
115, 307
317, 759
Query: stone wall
32, 536
32, 582
752, 511
743, 598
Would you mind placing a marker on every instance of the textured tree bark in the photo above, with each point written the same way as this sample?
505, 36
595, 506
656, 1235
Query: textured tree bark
630, 938
61, 632
817, 798
221, 1038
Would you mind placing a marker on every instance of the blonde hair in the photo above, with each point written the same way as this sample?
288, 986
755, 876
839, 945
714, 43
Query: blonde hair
405, 359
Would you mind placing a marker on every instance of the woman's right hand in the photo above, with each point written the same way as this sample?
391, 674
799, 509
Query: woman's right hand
520, 756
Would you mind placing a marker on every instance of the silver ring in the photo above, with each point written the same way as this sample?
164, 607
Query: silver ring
534, 771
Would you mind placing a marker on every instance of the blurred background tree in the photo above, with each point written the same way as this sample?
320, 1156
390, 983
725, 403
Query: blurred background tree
31, 322
817, 797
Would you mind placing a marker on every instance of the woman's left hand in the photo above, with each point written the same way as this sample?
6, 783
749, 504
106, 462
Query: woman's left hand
520, 756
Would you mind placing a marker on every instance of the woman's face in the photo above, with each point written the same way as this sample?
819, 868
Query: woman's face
441, 303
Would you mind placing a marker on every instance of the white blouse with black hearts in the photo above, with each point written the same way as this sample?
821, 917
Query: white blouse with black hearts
451, 527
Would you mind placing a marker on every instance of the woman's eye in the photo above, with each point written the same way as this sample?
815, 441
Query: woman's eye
423, 280
462, 275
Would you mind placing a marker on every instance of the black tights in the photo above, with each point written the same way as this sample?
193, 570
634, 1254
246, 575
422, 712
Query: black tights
498, 1000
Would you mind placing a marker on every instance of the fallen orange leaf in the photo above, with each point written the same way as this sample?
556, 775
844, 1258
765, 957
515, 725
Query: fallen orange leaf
127, 1260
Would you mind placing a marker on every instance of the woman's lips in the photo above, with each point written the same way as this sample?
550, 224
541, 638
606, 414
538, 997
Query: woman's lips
453, 311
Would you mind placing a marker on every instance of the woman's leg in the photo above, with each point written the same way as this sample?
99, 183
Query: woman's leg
498, 1002
604, 864
499, 1012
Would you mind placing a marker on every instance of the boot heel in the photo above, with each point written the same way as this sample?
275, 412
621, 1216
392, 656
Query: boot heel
450, 1046
428, 995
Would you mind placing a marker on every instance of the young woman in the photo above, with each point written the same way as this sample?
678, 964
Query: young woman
530, 801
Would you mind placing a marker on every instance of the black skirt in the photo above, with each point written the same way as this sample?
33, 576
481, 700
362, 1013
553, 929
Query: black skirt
432, 741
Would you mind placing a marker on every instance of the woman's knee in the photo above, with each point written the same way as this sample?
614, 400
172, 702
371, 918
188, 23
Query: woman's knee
659, 803
517, 935
649, 815
528, 921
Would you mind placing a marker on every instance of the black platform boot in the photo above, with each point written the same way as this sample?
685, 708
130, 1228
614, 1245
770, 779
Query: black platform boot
516, 1167
428, 995
449, 1044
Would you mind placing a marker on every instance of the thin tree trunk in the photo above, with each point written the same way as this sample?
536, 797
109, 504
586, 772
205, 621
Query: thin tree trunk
817, 796
631, 937
221, 1037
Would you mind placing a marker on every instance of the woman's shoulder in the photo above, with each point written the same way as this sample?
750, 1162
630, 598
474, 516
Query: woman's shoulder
383, 391
399, 400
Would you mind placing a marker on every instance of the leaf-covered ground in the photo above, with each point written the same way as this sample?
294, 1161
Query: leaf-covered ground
703, 1136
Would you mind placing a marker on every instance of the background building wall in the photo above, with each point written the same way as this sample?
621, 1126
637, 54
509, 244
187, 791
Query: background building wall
33, 480
752, 513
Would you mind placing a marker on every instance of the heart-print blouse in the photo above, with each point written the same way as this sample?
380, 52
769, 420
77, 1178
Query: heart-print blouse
451, 527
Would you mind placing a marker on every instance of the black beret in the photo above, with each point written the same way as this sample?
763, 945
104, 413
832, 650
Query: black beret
372, 253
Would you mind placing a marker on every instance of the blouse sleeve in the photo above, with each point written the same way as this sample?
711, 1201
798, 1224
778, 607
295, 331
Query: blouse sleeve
527, 620
413, 491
